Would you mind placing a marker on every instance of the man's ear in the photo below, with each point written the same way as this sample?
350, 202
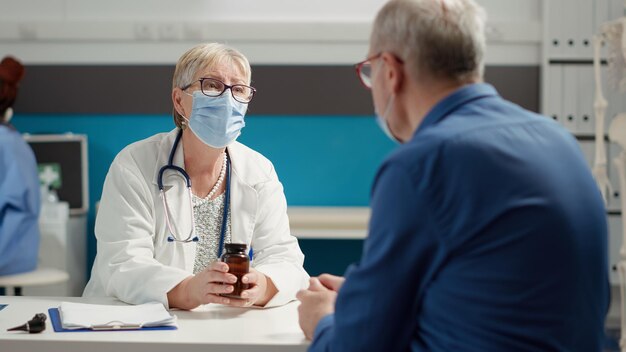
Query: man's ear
394, 71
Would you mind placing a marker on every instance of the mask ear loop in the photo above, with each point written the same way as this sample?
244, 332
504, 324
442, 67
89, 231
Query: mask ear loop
383, 117
185, 122
389, 102
372, 83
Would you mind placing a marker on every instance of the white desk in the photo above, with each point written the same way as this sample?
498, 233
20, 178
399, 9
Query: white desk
209, 328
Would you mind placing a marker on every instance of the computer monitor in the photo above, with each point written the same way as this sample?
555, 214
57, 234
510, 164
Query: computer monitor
62, 161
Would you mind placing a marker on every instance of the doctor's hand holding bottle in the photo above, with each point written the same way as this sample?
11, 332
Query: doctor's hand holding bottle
208, 285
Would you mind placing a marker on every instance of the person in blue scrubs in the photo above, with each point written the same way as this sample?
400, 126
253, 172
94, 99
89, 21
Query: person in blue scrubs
487, 231
19, 183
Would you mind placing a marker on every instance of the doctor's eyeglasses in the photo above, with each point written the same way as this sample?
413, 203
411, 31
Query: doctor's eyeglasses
212, 87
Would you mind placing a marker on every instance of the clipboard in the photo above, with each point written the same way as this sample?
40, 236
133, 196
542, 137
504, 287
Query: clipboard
55, 318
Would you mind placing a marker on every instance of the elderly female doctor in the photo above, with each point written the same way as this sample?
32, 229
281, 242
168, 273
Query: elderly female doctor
158, 239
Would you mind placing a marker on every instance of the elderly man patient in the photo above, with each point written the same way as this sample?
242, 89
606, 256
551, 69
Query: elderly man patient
171, 202
487, 232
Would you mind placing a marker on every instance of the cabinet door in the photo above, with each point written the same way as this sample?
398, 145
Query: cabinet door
615, 244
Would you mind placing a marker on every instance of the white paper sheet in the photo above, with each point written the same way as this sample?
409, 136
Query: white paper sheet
95, 316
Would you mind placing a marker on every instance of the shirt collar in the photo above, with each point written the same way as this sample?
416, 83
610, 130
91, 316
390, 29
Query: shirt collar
453, 101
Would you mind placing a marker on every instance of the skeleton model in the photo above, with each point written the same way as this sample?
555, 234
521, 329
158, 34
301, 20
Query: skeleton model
613, 34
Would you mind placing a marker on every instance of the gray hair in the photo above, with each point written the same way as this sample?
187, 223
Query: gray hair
206, 56
435, 38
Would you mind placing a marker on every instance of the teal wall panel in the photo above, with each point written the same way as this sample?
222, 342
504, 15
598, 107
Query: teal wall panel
321, 161
330, 256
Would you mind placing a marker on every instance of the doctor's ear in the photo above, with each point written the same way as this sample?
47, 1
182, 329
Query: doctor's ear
177, 100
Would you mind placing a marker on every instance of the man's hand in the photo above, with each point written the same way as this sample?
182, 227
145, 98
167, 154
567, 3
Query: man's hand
316, 302
331, 282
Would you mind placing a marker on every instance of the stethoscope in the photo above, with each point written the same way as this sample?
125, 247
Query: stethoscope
191, 237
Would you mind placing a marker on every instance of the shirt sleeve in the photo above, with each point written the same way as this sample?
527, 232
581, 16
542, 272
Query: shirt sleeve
276, 252
377, 307
125, 230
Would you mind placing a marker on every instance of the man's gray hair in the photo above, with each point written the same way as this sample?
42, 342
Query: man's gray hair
443, 39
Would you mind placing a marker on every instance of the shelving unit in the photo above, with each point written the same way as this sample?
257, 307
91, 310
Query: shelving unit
567, 89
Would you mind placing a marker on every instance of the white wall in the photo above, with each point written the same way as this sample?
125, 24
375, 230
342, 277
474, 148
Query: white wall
268, 31
269, 10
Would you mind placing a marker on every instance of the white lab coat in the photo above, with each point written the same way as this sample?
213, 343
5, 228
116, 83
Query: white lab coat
136, 263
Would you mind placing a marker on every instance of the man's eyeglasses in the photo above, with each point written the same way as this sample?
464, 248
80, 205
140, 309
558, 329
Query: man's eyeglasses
364, 70
212, 87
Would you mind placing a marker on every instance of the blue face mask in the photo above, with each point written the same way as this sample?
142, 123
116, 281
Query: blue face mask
217, 121
381, 120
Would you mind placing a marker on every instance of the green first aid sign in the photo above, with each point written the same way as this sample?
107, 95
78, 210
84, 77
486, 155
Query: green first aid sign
50, 174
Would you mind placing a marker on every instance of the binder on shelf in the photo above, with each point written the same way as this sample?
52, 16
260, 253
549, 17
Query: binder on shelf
554, 98
600, 14
568, 14
570, 96
586, 94
555, 30
612, 96
615, 243
616, 9
615, 198
585, 29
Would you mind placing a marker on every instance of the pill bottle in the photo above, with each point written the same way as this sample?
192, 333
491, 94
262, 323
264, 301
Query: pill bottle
238, 265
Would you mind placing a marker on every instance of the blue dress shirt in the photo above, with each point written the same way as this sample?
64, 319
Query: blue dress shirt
19, 204
488, 233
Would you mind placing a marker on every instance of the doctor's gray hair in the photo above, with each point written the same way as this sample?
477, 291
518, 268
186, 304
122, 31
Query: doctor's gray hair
204, 56
441, 39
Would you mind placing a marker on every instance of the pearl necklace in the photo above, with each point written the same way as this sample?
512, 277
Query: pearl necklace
217, 184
